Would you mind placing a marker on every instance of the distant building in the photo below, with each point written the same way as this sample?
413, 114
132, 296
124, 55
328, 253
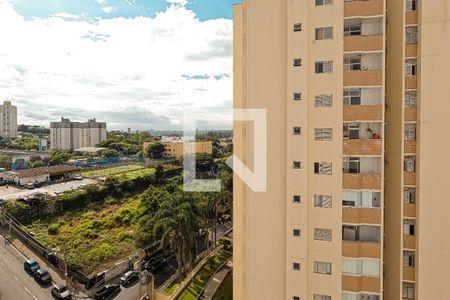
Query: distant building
175, 146
67, 135
8, 120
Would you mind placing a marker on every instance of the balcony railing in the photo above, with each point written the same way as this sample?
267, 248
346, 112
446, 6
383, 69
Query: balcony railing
361, 249
361, 215
363, 43
409, 178
363, 77
409, 273
409, 210
410, 82
410, 114
412, 17
362, 147
358, 284
363, 8
409, 242
363, 112
411, 50
370, 181
410, 146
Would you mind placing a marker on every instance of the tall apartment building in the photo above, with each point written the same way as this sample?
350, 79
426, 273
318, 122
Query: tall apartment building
8, 120
357, 101
67, 135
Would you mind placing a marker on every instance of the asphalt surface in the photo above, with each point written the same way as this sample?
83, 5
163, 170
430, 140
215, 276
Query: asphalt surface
15, 283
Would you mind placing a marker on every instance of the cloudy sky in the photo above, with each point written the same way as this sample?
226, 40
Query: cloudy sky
131, 63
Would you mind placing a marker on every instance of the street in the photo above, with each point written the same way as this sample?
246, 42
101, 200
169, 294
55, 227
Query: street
15, 284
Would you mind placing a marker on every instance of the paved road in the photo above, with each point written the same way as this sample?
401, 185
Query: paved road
15, 284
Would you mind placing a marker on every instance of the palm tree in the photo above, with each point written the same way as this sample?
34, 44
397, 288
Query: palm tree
176, 224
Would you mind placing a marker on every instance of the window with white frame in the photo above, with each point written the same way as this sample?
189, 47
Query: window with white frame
352, 97
321, 297
411, 35
411, 67
410, 132
352, 30
409, 258
352, 63
410, 164
321, 267
411, 5
411, 99
324, 201
323, 2
323, 134
324, 33
361, 267
359, 296
361, 199
408, 290
323, 168
351, 165
324, 100
409, 195
322, 234
409, 227
322, 67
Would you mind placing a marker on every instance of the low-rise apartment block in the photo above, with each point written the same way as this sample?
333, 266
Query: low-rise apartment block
175, 147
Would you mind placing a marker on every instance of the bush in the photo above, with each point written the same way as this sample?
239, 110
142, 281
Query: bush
53, 229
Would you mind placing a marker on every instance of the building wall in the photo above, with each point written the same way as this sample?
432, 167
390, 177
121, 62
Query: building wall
8, 120
176, 149
66, 135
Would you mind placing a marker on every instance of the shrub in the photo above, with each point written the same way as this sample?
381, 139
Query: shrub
53, 229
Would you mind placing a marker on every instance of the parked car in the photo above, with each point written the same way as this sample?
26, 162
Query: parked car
30, 266
77, 177
156, 265
43, 277
30, 186
129, 278
107, 292
60, 291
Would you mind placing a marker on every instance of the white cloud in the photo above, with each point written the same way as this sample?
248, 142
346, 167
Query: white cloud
108, 9
180, 2
55, 66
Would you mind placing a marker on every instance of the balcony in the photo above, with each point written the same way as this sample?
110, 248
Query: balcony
409, 242
354, 43
361, 249
363, 77
410, 114
361, 215
409, 178
363, 8
361, 181
409, 210
410, 147
409, 273
363, 112
362, 147
411, 17
357, 284
410, 82
411, 50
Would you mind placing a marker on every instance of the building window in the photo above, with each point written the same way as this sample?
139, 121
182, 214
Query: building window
322, 234
296, 199
409, 195
408, 290
321, 267
323, 168
323, 134
297, 165
296, 232
324, 33
409, 164
362, 296
297, 27
411, 67
323, 100
409, 258
297, 130
361, 199
324, 201
409, 227
410, 132
296, 266
321, 297
352, 97
297, 62
297, 96
411, 35
295, 298
411, 5
411, 99
322, 67
361, 267
323, 2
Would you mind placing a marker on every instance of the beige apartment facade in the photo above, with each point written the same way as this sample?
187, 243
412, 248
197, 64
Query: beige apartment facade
67, 135
175, 148
8, 120
355, 111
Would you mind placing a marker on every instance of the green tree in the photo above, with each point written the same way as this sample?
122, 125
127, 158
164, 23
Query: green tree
59, 157
159, 173
108, 153
5, 162
155, 150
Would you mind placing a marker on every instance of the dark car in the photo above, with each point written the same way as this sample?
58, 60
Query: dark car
107, 292
43, 277
129, 278
60, 291
154, 263
30, 266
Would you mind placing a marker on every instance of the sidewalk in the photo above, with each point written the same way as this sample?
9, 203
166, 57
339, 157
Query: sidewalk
216, 281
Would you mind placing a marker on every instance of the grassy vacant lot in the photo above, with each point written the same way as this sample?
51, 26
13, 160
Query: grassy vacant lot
193, 290
99, 234
225, 291
111, 171
135, 174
